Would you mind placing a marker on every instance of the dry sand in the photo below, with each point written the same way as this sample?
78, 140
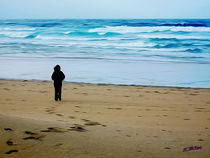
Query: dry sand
102, 121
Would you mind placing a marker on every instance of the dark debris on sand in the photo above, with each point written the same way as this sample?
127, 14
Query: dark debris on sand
78, 128
8, 129
9, 142
53, 129
11, 151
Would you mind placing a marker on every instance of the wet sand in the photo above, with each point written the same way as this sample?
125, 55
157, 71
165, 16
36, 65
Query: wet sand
103, 121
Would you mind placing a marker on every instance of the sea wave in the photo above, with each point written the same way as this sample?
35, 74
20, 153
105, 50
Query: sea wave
14, 28
127, 29
191, 36
20, 34
172, 36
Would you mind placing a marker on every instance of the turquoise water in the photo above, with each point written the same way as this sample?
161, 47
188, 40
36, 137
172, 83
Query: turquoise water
137, 52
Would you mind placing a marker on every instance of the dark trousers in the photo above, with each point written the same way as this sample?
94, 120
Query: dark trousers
58, 87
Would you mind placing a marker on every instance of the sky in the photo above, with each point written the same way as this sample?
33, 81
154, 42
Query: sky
111, 9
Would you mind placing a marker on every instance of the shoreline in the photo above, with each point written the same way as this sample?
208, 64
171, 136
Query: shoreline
102, 84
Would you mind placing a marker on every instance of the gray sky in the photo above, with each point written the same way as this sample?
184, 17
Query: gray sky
104, 9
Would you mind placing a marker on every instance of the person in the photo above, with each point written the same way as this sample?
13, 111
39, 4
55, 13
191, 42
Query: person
58, 76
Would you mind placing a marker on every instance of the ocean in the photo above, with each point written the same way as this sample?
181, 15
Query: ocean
157, 52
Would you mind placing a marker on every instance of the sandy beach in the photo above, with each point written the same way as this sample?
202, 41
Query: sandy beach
103, 121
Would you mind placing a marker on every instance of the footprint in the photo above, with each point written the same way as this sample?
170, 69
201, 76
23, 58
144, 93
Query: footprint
115, 108
154, 106
11, 151
78, 128
167, 148
200, 140
35, 137
126, 96
8, 129
43, 91
71, 117
58, 144
186, 119
59, 114
193, 94
199, 108
156, 91
90, 123
29, 132
54, 129
198, 111
51, 112
85, 120
10, 143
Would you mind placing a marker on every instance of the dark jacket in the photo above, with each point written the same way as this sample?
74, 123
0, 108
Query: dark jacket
58, 76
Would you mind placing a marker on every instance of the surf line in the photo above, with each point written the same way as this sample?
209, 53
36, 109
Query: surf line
192, 148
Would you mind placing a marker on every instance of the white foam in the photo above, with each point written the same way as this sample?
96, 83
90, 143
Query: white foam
51, 37
20, 34
171, 36
191, 29
128, 29
18, 29
67, 32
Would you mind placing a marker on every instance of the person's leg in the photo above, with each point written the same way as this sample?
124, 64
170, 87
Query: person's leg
56, 92
59, 92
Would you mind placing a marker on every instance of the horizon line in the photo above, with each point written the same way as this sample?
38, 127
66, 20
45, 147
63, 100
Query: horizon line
104, 18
